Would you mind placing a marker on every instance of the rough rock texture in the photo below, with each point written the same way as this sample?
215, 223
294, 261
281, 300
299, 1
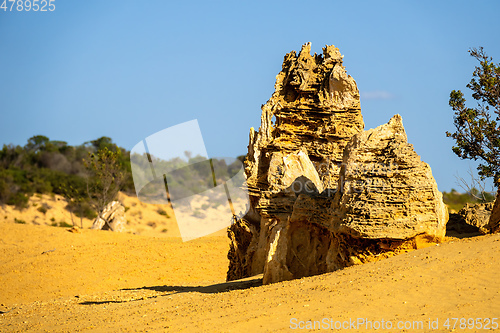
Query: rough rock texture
305, 126
472, 218
388, 192
114, 214
387, 202
494, 223
316, 107
316, 206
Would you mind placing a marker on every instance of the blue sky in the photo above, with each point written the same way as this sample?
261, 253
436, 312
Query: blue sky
127, 69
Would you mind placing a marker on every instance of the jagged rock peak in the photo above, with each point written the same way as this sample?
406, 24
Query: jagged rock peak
305, 126
324, 194
316, 108
387, 191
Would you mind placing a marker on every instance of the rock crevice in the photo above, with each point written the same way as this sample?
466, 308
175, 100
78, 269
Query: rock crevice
324, 193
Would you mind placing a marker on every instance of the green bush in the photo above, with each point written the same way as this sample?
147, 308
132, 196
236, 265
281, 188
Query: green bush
82, 209
42, 209
18, 221
162, 212
62, 224
457, 201
20, 200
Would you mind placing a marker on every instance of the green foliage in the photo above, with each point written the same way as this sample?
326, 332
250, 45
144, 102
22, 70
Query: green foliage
187, 177
18, 221
20, 200
457, 201
477, 134
44, 166
42, 209
162, 212
103, 142
61, 224
37, 143
86, 210
50, 167
105, 177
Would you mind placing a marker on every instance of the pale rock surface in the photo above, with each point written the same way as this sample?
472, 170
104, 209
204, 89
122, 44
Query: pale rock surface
472, 218
114, 214
315, 205
305, 126
388, 192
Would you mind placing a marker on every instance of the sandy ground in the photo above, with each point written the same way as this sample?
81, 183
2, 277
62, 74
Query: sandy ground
53, 280
142, 218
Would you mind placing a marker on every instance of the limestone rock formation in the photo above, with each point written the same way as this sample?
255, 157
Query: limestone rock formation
114, 215
388, 192
472, 218
305, 126
387, 202
316, 107
325, 194
494, 223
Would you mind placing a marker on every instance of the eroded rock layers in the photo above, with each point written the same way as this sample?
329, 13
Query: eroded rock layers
388, 192
494, 224
324, 194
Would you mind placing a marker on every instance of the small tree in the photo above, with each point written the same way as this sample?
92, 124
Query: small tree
477, 134
74, 199
105, 177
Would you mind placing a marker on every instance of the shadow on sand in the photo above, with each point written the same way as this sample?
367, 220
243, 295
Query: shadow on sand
254, 281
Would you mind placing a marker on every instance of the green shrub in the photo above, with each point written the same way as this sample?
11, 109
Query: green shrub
42, 209
19, 221
161, 211
83, 209
20, 200
457, 201
62, 224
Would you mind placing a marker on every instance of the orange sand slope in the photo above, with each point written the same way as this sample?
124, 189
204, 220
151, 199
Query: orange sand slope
58, 281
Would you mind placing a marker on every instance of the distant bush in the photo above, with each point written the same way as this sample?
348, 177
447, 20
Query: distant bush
44, 166
20, 200
61, 224
82, 209
18, 221
42, 209
162, 212
457, 201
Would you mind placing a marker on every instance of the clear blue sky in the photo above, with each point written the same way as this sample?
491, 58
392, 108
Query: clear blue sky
127, 69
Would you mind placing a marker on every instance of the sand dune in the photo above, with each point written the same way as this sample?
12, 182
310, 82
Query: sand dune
59, 281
